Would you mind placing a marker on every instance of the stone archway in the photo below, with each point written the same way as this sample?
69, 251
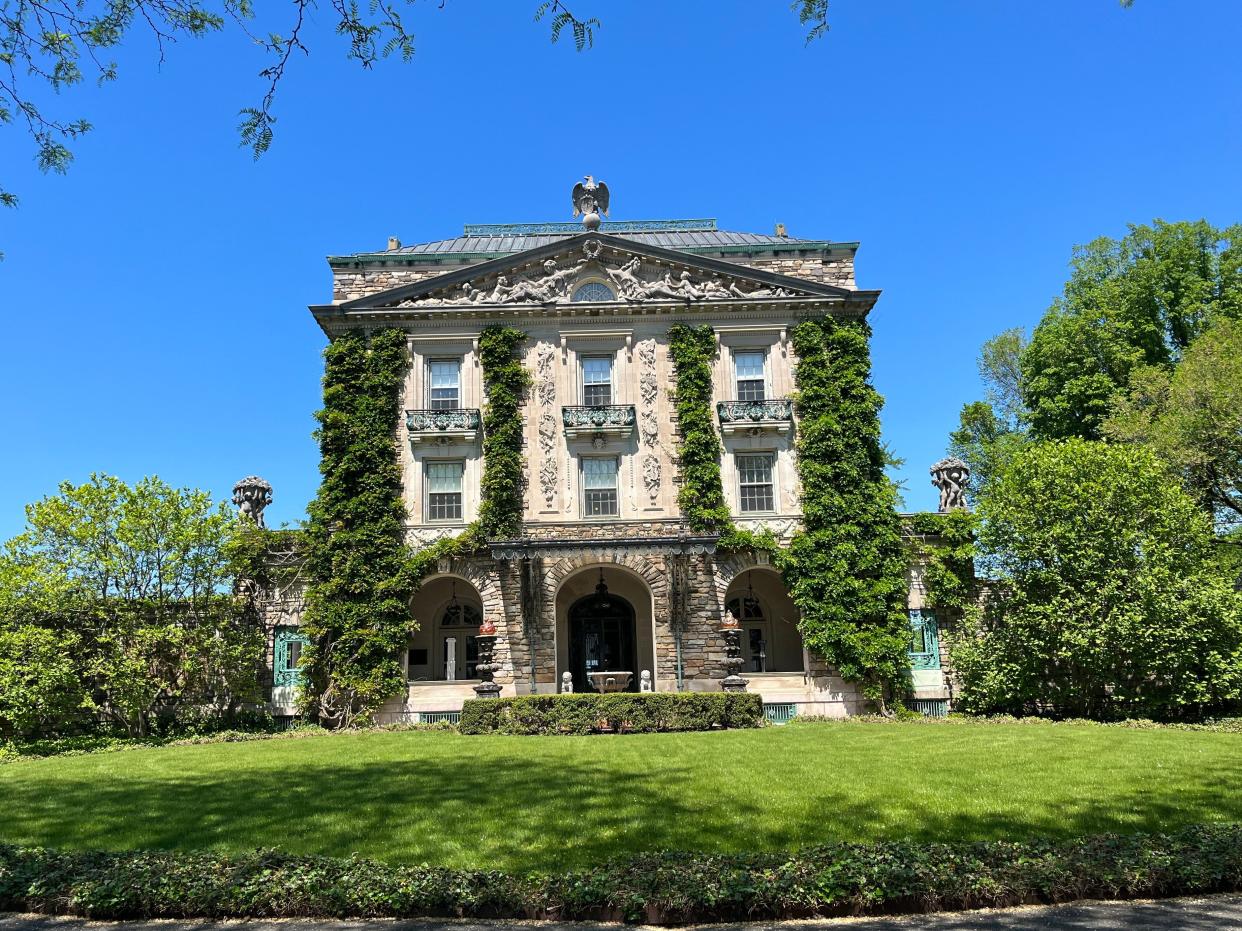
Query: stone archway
602, 638
771, 642
624, 632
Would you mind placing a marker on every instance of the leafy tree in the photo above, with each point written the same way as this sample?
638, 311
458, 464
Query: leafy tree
985, 442
133, 584
1191, 418
1107, 597
1138, 301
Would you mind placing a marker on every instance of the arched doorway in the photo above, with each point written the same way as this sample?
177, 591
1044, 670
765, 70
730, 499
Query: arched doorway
601, 637
449, 611
770, 641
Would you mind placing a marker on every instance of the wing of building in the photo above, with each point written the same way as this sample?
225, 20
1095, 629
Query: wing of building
605, 577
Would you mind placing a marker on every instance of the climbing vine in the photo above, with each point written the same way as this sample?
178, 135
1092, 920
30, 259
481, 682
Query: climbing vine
359, 568
701, 496
948, 559
846, 569
505, 381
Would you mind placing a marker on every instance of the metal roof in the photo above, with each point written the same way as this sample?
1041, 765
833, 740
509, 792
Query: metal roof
504, 238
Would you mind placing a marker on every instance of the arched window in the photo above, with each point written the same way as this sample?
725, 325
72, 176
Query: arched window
461, 615
745, 609
593, 291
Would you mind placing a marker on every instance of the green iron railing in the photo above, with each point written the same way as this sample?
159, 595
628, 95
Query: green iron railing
780, 712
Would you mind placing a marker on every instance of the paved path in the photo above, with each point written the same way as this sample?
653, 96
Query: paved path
1215, 913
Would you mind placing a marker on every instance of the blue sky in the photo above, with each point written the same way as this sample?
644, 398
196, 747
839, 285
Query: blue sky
155, 298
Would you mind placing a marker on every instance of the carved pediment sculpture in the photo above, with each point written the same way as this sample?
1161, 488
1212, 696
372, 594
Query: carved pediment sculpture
553, 283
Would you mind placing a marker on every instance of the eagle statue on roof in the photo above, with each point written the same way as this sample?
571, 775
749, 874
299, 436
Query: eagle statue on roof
590, 200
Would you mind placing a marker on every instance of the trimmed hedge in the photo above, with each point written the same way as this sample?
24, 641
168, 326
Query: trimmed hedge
668, 888
616, 712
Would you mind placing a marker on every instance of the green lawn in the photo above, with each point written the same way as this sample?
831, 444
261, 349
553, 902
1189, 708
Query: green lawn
545, 802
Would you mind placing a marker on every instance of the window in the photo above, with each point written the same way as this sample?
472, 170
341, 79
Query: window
286, 653
593, 291
750, 381
460, 615
599, 485
444, 490
755, 478
924, 640
597, 381
444, 384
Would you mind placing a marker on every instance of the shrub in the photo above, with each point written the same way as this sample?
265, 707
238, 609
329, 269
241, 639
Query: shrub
585, 713
1107, 599
658, 887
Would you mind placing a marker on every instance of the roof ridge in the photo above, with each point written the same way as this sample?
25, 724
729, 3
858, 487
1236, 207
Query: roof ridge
480, 230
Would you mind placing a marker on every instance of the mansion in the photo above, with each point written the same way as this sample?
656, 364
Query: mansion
605, 575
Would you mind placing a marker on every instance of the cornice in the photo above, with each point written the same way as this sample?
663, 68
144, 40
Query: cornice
334, 320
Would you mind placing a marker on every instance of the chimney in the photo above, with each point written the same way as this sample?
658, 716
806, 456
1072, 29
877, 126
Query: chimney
780, 230
393, 243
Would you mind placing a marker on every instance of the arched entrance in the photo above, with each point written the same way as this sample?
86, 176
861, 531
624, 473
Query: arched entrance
602, 637
448, 610
770, 641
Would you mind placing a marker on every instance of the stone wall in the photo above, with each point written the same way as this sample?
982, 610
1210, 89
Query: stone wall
349, 284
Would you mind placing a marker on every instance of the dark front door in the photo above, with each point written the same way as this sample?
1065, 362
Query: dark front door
601, 638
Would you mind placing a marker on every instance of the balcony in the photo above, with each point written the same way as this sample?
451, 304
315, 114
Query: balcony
755, 417
604, 420
443, 426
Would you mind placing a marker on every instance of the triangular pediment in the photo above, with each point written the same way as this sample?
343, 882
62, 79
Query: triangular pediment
632, 272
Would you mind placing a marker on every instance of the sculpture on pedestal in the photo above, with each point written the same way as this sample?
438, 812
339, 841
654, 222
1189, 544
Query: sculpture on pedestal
590, 200
251, 495
567, 683
951, 477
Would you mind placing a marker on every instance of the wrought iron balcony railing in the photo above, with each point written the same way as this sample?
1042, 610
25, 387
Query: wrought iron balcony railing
774, 414
602, 419
460, 422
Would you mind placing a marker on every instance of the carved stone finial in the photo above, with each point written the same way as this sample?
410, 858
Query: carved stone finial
590, 200
951, 476
251, 495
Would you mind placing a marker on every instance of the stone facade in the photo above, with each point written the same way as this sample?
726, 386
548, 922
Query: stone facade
604, 566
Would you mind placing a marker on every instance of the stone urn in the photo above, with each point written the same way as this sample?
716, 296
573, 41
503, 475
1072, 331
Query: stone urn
486, 667
731, 633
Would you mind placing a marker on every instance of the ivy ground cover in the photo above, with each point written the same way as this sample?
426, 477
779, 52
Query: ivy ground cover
553, 803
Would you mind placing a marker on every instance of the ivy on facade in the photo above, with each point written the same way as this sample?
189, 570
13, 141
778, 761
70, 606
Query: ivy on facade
846, 569
360, 575
505, 381
701, 497
948, 559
